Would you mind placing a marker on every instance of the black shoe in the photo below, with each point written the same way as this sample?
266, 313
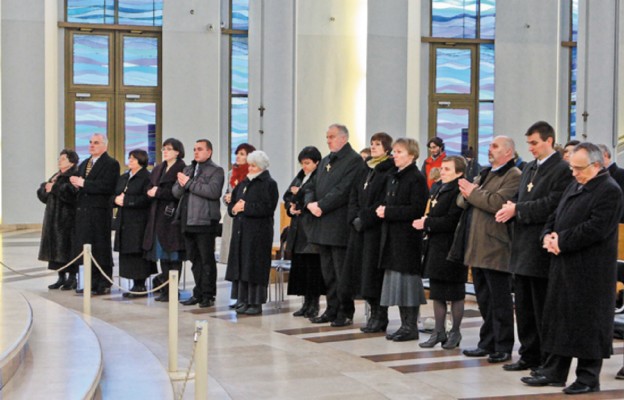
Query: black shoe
254, 309
408, 334
70, 284
301, 312
519, 365
541, 380
191, 301
138, 289
499, 357
242, 308
58, 284
341, 321
580, 388
206, 303
620, 374
453, 340
101, 291
435, 338
235, 305
323, 319
400, 331
80, 291
163, 296
478, 352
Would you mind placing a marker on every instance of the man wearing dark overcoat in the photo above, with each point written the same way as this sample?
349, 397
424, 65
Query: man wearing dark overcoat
96, 183
327, 199
615, 171
488, 249
582, 235
541, 186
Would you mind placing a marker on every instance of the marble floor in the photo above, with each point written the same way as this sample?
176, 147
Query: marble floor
278, 356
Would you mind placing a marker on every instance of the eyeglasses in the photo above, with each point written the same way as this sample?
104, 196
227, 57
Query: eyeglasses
167, 149
579, 169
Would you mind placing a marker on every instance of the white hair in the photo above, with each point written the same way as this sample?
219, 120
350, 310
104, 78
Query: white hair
259, 158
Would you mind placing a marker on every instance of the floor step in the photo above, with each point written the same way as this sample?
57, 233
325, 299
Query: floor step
63, 359
131, 370
16, 320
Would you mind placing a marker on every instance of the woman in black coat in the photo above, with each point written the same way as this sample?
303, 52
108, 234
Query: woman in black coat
447, 278
133, 204
305, 278
405, 201
249, 262
362, 276
163, 240
57, 234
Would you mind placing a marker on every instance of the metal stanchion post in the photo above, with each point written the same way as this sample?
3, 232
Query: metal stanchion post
173, 321
201, 363
86, 300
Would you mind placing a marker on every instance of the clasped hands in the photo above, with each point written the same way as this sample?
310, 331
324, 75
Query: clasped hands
551, 243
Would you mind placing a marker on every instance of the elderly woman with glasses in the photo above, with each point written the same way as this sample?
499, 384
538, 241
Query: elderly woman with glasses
249, 262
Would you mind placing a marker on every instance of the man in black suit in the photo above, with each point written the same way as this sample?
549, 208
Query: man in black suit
616, 172
327, 199
96, 187
541, 186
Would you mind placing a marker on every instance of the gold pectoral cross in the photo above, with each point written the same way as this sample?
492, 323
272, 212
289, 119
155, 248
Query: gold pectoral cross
328, 167
529, 186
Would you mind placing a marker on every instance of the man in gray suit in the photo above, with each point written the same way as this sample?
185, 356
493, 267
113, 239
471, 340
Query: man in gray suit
327, 199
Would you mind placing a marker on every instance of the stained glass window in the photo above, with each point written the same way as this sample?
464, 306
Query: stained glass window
140, 133
240, 15
140, 61
90, 57
240, 64
453, 129
573, 69
575, 15
488, 19
486, 130
453, 71
454, 18
239, 124
129, 12
486, 72
89, 117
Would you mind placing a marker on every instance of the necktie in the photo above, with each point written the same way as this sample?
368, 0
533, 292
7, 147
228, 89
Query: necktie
89, 166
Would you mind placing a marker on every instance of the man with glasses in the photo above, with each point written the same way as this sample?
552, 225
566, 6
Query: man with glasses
582, 237
542, 183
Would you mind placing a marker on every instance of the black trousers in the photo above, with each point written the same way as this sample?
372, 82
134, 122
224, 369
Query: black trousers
557, 368
530, 297
332, 262
493, 291
200, 247
93, 226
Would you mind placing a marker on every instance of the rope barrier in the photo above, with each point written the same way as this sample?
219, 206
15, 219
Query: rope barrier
109, 279
50, 272
196, 336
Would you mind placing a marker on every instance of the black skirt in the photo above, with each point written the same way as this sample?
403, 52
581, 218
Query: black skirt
134, 266
446, 291
305, 278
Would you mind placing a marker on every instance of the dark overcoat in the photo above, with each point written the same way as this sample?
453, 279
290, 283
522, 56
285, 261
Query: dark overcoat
297, 238
362, 275
252, 230
132, 217
578, 313
331, 188
528, 257
440, 227
94, 208
158, 224
617, 174
405, 200
59, 218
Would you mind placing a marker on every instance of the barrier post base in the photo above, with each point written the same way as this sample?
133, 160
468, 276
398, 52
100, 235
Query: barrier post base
177, 376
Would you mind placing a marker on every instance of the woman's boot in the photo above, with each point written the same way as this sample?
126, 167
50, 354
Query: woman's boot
304, 308
60, 282
374, 310
313, 307
70, 282
411, 321
403, 327
381, 322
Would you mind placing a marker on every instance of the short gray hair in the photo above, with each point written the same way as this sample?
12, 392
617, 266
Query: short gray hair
341, 128
509, 142
593, 152
259, 158
103, 136
604, 149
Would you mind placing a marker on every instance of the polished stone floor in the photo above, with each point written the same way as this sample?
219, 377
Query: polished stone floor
278, 356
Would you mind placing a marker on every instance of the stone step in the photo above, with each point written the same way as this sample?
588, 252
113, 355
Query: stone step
63, 359
16, 319
131, 370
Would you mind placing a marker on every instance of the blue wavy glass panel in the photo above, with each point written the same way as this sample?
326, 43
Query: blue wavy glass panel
573, 73
140, 133
140, 63
486, 72
90, 117
488, 19
140, 12
90, 60
240, 124
573, 121
486, 131
452, 127
240, 14
240, 64
575, 17
91, 11
454, 18
453, 71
